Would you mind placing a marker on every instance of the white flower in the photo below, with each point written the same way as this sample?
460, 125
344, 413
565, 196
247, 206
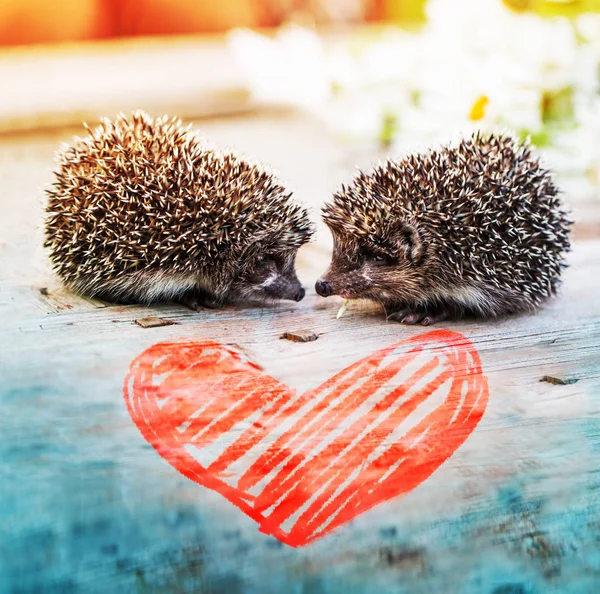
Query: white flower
289, 69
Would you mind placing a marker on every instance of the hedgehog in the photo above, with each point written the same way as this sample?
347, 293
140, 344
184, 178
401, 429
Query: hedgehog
474, 228
143, 211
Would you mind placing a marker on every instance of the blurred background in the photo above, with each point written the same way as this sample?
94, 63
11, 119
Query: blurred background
318, 87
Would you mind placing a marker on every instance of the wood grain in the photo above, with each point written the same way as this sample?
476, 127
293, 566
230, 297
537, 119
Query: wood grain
88, 506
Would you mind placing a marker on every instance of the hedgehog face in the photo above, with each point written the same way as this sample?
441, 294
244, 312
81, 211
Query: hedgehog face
265, 275
386, 270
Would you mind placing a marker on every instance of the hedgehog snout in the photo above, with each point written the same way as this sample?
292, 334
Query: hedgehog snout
299, 296
323, 288
295, 292
279, 286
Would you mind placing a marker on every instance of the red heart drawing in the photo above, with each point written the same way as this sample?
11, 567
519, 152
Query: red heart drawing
303, 465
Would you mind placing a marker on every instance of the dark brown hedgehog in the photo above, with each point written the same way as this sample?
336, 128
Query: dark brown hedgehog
143, 211
472, 229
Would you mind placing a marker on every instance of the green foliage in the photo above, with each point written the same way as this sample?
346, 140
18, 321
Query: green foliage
557, 106
389, 129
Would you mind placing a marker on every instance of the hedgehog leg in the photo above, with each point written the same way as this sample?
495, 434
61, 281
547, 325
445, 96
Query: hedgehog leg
197, 300
413, 318
425, 318
434, 318
407, 316
189, 301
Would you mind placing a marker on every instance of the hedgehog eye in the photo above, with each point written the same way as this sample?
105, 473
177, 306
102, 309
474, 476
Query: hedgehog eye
263, 260
380, 259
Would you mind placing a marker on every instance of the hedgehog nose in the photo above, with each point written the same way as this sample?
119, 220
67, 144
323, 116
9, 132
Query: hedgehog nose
323, 288
299, 295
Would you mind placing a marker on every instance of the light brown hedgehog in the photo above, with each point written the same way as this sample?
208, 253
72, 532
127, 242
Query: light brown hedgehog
143, 211
472, 229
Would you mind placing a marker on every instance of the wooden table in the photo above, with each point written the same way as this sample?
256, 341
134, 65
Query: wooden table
89, 505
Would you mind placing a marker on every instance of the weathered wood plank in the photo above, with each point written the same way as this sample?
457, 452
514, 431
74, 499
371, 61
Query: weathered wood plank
89, 506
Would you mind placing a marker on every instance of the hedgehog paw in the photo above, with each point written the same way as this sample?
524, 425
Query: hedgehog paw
196, 302
207, 303
431, 318
191, 302
410, 317
406, 316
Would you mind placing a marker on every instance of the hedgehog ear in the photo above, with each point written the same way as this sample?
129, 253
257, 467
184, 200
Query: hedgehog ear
407, 238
